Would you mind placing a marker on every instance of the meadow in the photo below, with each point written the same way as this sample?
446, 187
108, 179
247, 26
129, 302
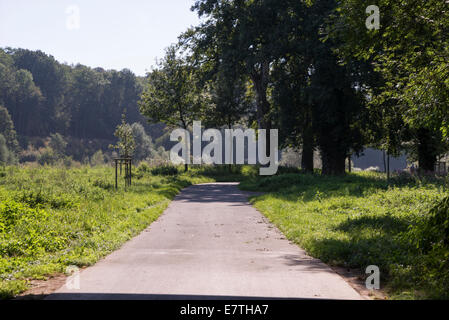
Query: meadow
53, 217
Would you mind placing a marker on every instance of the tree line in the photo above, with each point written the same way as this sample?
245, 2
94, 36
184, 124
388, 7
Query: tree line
41, 98
314, 70
44, 96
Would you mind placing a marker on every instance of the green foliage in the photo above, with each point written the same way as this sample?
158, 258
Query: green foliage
143, 167
47, 157
6, 156
430, 237
103, 184
171, 96
359, 220
409, 58
25, 231
144, 144
166, 170
97, 159
126, 144
7, 130
36, 199
44, 96
58, 144
54, 217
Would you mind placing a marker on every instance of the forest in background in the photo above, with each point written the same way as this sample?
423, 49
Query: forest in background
49, 109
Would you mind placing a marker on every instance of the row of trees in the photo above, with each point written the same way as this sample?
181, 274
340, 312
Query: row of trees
44, 96
312, 69
47, 101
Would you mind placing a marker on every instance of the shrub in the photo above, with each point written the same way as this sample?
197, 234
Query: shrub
285, 170
35, 199
48, 157
166, 170
97, 159
431, 237
143, 167
434, 229
106, 185
27, 232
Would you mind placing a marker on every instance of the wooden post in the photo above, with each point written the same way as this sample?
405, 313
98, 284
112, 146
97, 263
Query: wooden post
388, 166
126, 173
116, 178
130, 172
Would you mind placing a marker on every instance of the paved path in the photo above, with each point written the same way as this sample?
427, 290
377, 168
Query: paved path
210, 243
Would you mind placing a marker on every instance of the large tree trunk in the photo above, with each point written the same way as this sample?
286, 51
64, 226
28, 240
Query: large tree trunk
333, 158
260, 80
307, 155
427, 150
333, 164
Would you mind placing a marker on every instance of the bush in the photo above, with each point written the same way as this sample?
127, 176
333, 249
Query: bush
97, 159
141, 170
285, 170
106, 185
433, 230
27, 234
166, 170
35, 199
48, 157
431, 237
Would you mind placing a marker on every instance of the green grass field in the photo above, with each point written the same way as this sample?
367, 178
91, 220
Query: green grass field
361, 220
51, 217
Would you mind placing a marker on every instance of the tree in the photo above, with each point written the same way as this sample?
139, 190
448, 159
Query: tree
144, 145
317, 100
7, 130
243, 34
126, 144
410, 52
52, 80
97, 159
172, 95
25, 105
6, 156
227, 99
58, 145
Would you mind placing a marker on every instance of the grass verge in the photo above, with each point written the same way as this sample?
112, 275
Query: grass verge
361, 220
51, 218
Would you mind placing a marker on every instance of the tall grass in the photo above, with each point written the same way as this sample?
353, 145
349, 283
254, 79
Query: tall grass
51, 217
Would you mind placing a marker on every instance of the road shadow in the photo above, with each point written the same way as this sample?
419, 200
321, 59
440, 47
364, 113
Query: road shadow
215, 192
161, 297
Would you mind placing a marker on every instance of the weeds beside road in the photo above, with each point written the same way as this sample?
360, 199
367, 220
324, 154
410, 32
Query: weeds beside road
51, 218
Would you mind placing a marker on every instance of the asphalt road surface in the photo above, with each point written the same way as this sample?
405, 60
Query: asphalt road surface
210, 243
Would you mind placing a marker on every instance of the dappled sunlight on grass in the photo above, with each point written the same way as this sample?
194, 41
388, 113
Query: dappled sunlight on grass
354, 221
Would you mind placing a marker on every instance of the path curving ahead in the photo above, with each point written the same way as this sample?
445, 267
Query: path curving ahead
210, 243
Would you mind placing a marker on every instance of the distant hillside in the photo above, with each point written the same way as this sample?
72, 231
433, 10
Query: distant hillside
83, 104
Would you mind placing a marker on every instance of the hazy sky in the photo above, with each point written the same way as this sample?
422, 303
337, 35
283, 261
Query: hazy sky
112, 34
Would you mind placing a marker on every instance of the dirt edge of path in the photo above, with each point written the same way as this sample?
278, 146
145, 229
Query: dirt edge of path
356, 281
40, 289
